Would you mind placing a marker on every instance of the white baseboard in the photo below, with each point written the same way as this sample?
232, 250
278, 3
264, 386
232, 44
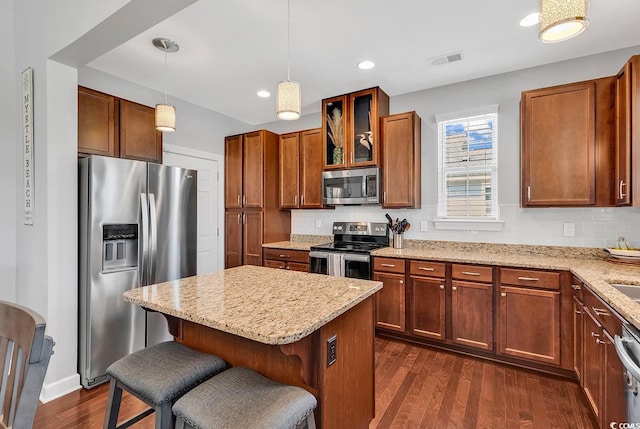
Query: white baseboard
59, 388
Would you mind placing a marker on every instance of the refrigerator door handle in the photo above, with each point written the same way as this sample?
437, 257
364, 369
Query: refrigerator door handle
144, 215
153, 247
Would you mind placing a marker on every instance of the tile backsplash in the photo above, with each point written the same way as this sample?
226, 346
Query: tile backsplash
594, 227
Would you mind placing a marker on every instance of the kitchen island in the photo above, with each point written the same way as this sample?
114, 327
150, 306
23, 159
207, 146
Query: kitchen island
281, 324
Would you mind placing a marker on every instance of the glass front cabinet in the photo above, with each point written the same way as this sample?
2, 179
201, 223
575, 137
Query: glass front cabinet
351, 128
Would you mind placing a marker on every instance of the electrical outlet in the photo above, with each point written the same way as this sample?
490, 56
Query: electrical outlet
569, 229
424, 225
331, 351
318, 223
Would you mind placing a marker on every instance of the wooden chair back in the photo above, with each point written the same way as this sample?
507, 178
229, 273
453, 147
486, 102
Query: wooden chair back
24, 356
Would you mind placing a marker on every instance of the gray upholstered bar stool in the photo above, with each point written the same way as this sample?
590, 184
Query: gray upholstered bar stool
242, 398
157, 375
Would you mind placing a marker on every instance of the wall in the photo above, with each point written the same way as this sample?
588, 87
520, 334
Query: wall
8, 147
196, 127
595, 227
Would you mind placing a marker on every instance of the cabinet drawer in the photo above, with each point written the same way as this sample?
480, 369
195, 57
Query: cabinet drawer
578, 288
530, 278
474, 273
287, 255
427, 269
390, 265
608, 318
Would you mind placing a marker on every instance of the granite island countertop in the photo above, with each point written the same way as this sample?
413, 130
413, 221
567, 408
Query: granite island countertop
262, 304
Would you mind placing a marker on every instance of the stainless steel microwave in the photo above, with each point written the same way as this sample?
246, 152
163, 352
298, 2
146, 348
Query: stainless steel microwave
353, 186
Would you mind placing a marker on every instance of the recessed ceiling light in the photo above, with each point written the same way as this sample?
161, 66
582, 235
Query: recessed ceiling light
530, 20
264, 94
366, 65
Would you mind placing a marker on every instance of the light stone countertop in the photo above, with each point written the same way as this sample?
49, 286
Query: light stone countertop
290, 245
267, 305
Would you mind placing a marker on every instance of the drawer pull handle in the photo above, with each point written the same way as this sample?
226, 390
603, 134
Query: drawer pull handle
600, 312
576, 287
401, 282
454, 288
599, 341
594, 335
470, 273
426, 268
285, 256
441, 286
388, 265
503, 294
529, 279
578, 311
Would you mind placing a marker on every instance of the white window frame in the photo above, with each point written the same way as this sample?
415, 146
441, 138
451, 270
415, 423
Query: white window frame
483, 223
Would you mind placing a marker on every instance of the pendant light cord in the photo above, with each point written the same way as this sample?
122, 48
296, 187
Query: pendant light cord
288, 40
164, 44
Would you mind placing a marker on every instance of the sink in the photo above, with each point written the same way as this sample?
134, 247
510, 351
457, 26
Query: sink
631, 291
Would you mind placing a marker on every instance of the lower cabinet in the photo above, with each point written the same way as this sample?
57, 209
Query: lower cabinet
428, 297
294, 260
472, 314
578, 338
243, 238
390, 300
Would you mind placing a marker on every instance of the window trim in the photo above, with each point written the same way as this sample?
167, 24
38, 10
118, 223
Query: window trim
486, 223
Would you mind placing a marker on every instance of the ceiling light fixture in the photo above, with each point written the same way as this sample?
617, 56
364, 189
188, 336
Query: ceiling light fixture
288, 94
366, 65
165, 113
263, 94
562, 19
530, 20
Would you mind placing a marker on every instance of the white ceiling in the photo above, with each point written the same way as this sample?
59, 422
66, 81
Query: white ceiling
231, 49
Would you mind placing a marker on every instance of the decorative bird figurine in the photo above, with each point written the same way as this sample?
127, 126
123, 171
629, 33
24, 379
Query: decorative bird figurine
369, 138
364, 141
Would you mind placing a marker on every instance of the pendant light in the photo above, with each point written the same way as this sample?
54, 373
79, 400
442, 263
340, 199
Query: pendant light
288, 94
562, 19
165, 113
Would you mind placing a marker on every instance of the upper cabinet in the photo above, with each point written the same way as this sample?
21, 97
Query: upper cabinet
301, 169
350, 128
627, 154
111, 126
567, 145
401, 155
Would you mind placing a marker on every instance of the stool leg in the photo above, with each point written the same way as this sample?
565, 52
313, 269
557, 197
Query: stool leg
113, 405
311, 421
164, 416
179, 423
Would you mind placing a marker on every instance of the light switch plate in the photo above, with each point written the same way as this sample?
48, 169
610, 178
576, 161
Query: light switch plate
318, 223
424, 225
569, 229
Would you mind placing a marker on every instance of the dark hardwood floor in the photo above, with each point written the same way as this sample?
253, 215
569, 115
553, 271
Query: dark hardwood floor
416, 387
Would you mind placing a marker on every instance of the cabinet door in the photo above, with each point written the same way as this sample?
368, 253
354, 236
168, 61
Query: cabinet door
529, 324
289, 171
139, 138
623, 136
401, 161
253, 170
233, 172
427, 298
97, 123
252, 237
613, 405
334, 131
311, 149
472, 314
296, 266
270, 263
390, 302
363, 141
578, 322
593, 355
232, 239
558, 146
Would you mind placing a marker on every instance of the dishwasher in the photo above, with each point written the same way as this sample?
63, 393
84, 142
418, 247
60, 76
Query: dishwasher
628, 349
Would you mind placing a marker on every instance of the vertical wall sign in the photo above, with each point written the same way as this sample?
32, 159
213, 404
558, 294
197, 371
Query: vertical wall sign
27, 142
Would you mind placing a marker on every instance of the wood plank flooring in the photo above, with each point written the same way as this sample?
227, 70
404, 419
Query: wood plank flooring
416, 387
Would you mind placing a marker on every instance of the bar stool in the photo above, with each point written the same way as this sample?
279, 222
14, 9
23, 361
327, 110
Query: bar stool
242, 398
157, 375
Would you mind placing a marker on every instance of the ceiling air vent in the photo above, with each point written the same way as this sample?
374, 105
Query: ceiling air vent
446, 59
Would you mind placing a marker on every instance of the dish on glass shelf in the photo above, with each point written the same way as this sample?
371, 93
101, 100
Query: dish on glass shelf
624, 253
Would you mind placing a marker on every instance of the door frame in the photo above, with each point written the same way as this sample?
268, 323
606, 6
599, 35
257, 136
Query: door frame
194, 153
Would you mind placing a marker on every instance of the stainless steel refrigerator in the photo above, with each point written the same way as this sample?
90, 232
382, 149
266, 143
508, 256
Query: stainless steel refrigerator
137, 226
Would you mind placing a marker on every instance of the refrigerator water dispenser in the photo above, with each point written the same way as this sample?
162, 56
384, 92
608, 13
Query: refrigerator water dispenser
119, 247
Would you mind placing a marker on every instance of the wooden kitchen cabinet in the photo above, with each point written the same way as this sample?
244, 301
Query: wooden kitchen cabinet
427, 299
251, 175
112, 126
593, 359
472, 306
354, 119
578, 339
401, 159
390, 300
568, 145
627, 126
301, 169
139, 138
294, 260
529, 315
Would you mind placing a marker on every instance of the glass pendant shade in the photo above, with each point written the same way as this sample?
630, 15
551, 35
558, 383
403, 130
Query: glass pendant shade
288, 100
562, 19
165, 118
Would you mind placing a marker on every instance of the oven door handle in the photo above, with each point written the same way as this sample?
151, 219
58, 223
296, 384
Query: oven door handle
625, 357
356, 257
319, 255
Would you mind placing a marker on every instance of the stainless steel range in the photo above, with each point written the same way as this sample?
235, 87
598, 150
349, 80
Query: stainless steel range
349, 255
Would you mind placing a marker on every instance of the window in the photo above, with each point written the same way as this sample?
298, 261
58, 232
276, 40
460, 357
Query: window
468, 165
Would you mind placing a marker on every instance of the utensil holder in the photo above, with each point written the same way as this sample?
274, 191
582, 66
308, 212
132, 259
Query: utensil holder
397, 241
